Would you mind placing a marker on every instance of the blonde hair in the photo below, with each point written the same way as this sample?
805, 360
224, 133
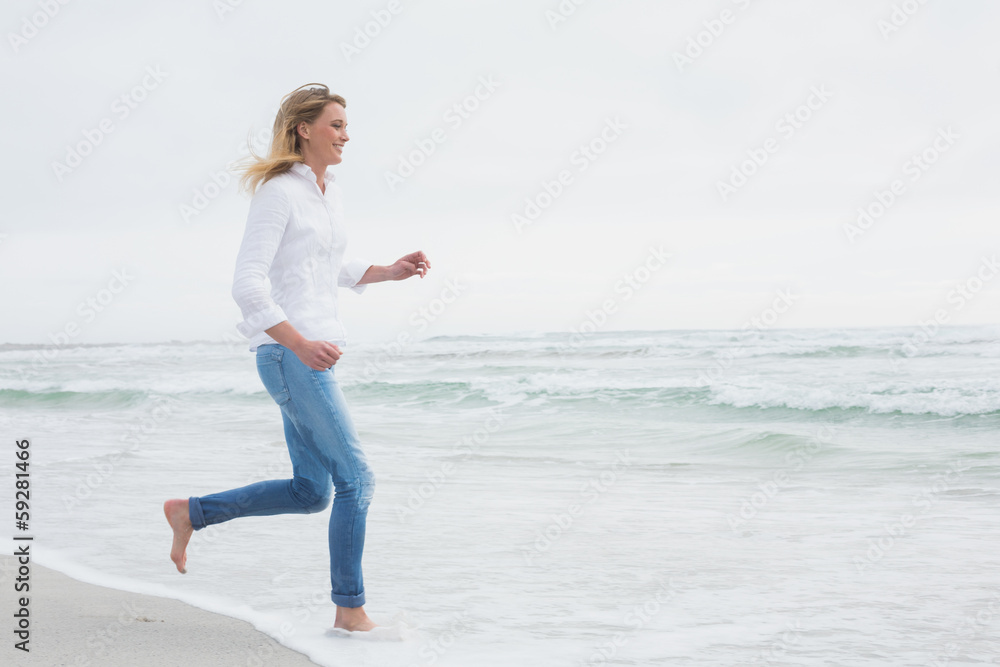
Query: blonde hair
304, 104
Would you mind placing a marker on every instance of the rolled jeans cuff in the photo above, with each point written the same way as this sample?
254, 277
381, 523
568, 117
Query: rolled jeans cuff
195, 514
348, 600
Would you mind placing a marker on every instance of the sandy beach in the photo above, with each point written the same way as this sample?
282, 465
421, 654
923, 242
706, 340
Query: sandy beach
82, 625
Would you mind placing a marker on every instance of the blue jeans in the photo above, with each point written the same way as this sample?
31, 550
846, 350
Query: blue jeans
325, 452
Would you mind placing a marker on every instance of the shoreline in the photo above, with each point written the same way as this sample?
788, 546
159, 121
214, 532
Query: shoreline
78, 624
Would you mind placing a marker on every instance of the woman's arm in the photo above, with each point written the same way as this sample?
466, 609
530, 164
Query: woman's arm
416, 263
318, 355
266, 222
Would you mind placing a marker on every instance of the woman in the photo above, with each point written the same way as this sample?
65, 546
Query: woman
295, 239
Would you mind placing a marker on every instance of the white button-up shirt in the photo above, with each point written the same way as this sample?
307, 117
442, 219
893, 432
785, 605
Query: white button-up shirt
291, 260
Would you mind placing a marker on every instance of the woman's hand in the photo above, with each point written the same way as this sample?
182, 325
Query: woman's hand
414, 264
319, 355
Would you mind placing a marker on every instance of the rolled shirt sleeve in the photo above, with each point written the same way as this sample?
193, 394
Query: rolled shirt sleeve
351, 271
266, 221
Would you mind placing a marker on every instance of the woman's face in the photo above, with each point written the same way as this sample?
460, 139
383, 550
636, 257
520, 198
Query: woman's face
324, 139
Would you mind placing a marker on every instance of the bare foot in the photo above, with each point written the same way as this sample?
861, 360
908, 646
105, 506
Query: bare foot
353, 619
177, 516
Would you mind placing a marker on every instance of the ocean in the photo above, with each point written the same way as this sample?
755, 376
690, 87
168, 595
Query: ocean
782, 497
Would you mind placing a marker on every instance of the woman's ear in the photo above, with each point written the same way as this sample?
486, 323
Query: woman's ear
302, 130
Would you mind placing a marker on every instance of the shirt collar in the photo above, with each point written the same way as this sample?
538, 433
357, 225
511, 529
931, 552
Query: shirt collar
306, 171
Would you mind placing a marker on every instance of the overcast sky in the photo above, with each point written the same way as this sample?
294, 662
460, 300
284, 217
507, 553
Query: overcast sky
739, 138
